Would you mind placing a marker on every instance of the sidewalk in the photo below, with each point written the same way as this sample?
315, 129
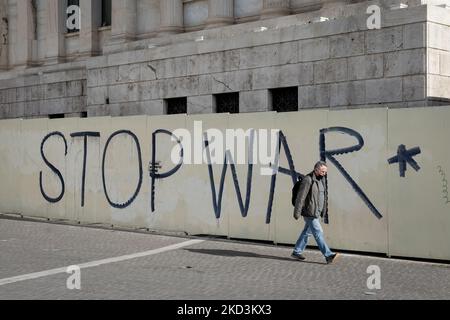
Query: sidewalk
148, 266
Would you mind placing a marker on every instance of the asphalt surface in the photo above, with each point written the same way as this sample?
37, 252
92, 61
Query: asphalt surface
122, 265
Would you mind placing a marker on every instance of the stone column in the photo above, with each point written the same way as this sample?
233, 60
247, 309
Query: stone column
25, 34
90, 22
220, 13
56, 28
3, 35
275, 8
124, 20
171, 16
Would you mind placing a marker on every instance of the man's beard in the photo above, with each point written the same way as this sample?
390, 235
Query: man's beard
319, 177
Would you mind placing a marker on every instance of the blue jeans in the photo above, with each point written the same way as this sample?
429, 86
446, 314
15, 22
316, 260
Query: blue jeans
312, 226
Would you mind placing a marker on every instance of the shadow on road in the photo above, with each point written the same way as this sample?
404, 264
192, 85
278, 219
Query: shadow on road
233, 253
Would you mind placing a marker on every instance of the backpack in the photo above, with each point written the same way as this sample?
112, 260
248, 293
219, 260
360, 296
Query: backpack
296, 188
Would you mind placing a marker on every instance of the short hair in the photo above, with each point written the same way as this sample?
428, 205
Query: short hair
320, 164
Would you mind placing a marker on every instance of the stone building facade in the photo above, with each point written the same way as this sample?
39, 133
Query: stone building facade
153, 57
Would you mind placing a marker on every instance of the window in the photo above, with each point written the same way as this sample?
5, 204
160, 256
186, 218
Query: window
72, 3
56, 116
285, 99
106, 13
227, 102
176, 105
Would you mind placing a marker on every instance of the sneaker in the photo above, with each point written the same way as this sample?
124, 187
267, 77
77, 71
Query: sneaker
298, 256
331, 258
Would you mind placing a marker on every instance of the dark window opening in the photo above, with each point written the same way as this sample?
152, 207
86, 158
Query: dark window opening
106, 13
84, 114
72, 3
227, 102
176, 105
56, 116
284, 99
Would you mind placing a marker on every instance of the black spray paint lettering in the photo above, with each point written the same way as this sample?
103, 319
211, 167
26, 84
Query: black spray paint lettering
53, 168
329, 154
154, 175
85, 135
138, 188
154, 166
405, 156
217, 201
444, 185
282, 141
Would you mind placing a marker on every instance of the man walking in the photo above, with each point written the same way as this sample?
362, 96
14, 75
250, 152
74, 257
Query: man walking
312, 203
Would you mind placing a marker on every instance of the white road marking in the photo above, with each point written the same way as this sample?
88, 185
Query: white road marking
98, 262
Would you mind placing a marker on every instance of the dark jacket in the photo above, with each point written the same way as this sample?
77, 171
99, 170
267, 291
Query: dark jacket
306, 202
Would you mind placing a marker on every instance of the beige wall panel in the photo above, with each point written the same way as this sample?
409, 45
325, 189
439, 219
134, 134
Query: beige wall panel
171, 194
254, 225
11, 148
96, 208
122, 171
200, 215
415, 208
419, 209
65, 163
31, 163
353, 226
301, 130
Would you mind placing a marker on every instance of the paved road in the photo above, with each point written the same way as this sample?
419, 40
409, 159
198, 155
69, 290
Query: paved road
127, 265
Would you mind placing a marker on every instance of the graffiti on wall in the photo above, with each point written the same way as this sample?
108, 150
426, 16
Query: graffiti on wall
444, 185
84, 135
330, 155
154, 166
404, 156
53, 168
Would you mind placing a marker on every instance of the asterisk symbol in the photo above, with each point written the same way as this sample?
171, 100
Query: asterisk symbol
405, 156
